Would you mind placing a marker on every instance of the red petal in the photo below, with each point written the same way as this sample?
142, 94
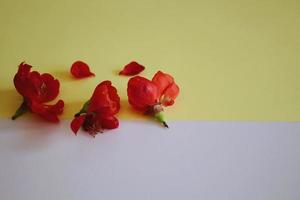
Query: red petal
170, 95
50, 89
163, 81
77, 123
109, 122
80, 69
105, 99
132, 69
142, 93
24, 69
168, 90
43, 88
48, 112
21, 78
57, 108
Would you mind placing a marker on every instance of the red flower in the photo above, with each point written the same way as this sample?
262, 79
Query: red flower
149, 96
80, 69
36, 90
132, 69
98, 113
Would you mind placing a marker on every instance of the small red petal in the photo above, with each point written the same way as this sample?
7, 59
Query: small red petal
80, 69
132, 69
21, 79
57, 108
110, 122
24, 69
77, 123
170, 95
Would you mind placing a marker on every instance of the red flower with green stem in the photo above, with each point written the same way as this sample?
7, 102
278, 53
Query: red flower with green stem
99, 112
150, 97
37, 89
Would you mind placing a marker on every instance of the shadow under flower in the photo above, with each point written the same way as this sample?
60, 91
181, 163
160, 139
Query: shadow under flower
28, 133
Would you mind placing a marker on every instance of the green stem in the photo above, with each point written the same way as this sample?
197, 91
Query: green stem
21, 110
160, 117
84, 109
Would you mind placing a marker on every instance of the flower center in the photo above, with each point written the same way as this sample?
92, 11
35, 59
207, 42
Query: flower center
43, 89
92, 125
158, 108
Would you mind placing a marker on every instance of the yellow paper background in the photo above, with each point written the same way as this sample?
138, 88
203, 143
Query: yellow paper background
234, 60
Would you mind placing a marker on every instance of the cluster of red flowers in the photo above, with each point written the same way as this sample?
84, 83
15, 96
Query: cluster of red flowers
98, 113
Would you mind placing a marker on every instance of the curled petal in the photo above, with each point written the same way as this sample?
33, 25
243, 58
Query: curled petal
24, 69
109, 122
105, 99
170, 95
163, 81
21, 82
77, 122
48, 112
80, 69
168, 89
142, 93
57, 108
132, 69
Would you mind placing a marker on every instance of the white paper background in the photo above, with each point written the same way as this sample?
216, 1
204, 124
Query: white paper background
141, 161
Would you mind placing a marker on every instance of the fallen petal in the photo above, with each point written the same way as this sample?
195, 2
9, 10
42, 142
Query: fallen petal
77, 123
80, 69
132, 69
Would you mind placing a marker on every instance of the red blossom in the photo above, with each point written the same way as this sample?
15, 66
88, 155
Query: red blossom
149, 96
80, 69
37, 89
131, 69
99, 112
33, 85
